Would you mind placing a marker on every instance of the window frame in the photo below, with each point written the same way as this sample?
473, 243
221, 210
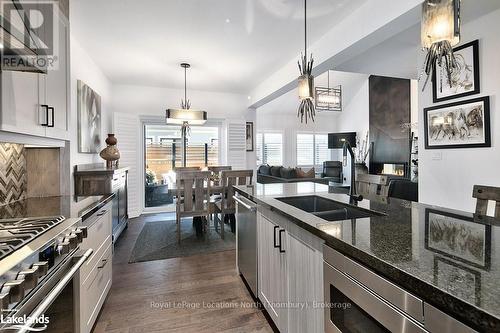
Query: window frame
315, 163
263, 133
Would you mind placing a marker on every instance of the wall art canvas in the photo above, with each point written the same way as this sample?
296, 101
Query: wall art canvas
464, 124
464, 79
89, 119
458, 237
249, 136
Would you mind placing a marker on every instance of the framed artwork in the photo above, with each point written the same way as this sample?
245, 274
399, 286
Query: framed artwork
458, 237
464, 124
89, 119
466, 282
464, 79
249, 136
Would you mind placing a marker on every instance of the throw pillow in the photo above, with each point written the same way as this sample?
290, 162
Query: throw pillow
275, 171
264, 169
300, 173
309, 174
288, 173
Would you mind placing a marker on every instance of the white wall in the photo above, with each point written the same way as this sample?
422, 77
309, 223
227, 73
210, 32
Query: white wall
448, 182
83, 68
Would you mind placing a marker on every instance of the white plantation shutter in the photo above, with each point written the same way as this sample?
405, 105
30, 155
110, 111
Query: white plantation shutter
128, 133
259, 150
236, 145
305, 149
321, 151
273, 148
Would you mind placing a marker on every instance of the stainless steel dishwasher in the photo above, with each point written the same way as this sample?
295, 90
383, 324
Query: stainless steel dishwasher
246, 240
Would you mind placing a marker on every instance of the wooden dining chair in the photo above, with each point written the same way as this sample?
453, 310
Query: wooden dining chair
375, 187
227, 204
182, 169
193, 196
484, 194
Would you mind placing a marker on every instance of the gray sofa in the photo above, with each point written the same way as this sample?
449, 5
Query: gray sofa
277, 174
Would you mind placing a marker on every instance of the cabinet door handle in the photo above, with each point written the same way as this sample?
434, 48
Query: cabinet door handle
51, 108
276, 245
104, 262
46, 107
282, 250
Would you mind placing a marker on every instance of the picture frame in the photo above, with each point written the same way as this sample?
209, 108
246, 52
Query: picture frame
458, 237
463, 124
89, 119
465, 79
466, 281
249, 136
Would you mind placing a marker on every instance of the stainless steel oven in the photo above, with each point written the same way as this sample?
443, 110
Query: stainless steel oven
358, 300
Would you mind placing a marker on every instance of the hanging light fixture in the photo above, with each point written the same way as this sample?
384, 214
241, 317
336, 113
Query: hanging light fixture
306, 80
185, 116
328, 99
440, 33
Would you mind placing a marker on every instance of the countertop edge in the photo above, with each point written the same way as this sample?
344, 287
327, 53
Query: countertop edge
469, 314
93, 208
102, 171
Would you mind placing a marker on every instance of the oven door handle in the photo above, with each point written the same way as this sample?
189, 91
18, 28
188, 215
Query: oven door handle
52, 295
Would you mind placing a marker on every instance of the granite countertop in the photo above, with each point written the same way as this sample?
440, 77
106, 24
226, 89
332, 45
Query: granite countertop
67, 206
448, 258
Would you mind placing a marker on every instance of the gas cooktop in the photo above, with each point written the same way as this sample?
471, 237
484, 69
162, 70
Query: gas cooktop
15, 233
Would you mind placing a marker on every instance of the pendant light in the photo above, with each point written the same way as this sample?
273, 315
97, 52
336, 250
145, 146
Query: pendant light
440, 32
185, 116
328, 99
306, 80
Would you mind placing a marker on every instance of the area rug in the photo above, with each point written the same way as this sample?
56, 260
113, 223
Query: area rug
158, 240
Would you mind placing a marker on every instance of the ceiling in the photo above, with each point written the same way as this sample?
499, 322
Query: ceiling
232, 45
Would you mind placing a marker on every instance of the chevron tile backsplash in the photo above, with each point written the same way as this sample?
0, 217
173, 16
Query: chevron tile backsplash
13, 181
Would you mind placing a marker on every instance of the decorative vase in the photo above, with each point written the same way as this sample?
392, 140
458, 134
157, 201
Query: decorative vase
360, 168
111, 154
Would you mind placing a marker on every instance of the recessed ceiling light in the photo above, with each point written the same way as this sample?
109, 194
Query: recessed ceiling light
1, 46
249, 97
228, 20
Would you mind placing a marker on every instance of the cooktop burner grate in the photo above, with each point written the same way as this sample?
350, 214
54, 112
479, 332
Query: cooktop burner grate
15, 233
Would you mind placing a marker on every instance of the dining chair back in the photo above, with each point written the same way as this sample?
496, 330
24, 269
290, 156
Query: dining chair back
193, 199
182, 169
484, 194
375, 187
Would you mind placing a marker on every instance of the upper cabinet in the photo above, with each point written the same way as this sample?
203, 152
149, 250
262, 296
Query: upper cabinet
35, 103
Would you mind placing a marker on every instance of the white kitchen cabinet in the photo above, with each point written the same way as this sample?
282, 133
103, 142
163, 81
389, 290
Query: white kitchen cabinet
27, 98
273, 286
305, 287
95, 276
56, 85
290, 282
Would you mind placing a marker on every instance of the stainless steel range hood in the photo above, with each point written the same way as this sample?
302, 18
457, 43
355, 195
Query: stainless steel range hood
16, 51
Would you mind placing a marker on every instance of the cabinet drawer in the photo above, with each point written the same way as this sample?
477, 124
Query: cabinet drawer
94, 289
98, 239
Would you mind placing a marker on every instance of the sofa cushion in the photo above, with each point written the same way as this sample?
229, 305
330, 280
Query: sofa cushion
264, 169
276, 171
288, 173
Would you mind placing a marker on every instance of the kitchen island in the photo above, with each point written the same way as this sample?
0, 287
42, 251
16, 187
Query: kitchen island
447, 258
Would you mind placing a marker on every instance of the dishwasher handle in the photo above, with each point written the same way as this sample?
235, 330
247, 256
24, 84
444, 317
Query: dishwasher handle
247, 206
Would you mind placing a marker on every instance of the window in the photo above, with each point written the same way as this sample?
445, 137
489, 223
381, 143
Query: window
269, 148
312, 149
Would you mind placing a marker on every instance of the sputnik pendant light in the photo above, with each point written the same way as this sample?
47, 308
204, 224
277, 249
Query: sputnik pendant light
440, 32
306, 80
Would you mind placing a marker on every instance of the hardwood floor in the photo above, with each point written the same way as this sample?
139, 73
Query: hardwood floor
200, 293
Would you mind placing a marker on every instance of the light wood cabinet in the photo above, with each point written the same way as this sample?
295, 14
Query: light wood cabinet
290, 274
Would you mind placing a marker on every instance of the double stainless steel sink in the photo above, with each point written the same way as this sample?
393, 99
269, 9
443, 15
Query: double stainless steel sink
327, 209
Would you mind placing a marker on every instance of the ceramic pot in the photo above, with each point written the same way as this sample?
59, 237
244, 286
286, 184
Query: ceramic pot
111, 140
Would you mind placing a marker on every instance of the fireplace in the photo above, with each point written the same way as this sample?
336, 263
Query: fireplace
390, 169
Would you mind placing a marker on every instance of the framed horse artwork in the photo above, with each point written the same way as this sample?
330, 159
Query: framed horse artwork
464, 124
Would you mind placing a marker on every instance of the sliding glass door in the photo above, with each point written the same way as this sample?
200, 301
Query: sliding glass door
163, 152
